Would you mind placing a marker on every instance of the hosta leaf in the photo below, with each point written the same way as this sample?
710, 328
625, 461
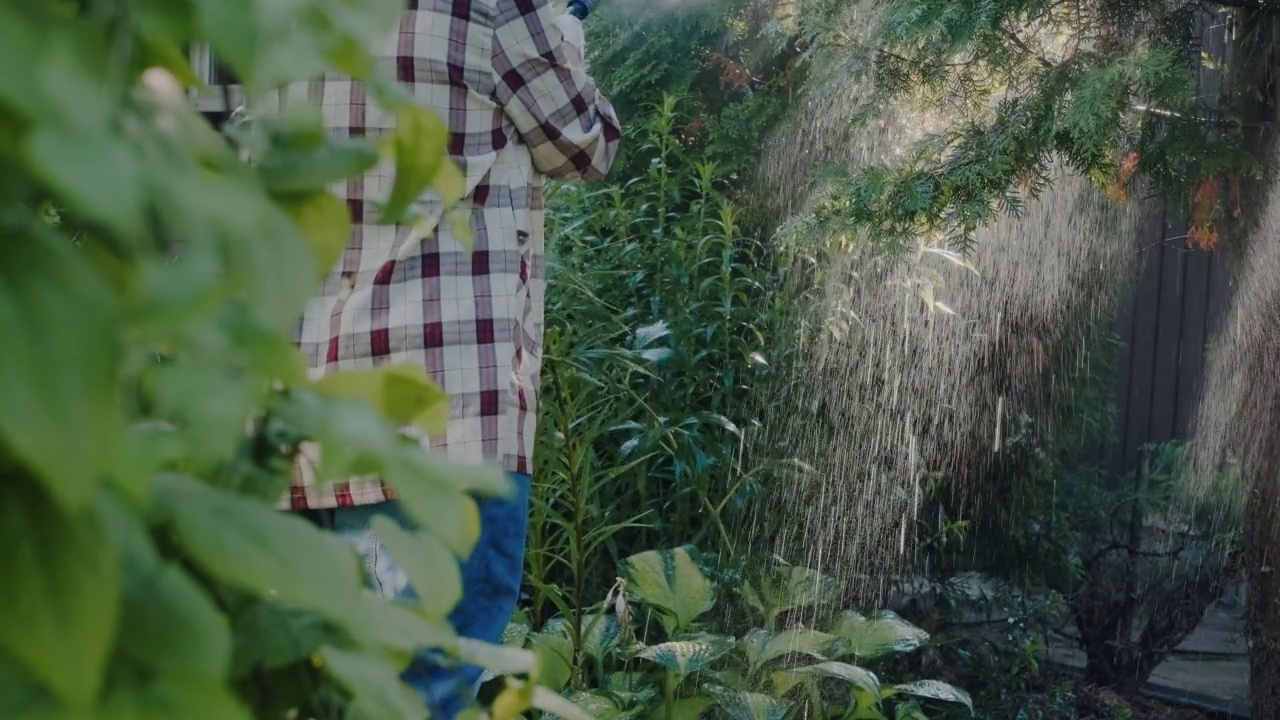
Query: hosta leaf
860, 678
866, 705
688, 656
761, 646
790, 588
558, 706
515, 634
910, 711
602, 706
555, 658
741, 705
671, 581
934, 690
600, 633
882, 634
687, 708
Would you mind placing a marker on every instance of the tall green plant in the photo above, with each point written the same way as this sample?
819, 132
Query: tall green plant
662, 310
150, 282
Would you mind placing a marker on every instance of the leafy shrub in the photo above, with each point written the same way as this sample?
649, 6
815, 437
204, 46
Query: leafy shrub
146, 301
649, 649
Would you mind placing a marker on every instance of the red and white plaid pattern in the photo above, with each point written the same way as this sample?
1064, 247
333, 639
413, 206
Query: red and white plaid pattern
519, 106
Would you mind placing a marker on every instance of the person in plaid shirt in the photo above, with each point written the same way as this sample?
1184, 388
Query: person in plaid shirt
509, 78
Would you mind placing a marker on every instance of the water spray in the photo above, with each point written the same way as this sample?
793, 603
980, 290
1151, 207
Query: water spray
582, 8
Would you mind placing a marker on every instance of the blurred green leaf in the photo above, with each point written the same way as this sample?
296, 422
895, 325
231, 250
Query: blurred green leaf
432, 570
670, 581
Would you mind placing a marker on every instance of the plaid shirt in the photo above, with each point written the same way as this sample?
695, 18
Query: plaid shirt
519, 106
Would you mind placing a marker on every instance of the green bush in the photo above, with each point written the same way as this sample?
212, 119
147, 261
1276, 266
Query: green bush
146, 301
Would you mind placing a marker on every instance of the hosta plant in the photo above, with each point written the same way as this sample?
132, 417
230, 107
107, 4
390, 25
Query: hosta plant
657, 655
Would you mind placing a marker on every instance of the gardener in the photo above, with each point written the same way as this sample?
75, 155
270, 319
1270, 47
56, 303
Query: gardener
508, 77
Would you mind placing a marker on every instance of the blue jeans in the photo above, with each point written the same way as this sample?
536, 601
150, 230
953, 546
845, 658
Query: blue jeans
490, 586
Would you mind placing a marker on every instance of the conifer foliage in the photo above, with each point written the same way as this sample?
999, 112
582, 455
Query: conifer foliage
1106, 87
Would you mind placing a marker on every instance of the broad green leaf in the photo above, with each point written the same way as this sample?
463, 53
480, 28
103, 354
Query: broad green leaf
686, 708
516, 697
882, 634
24, 697
515, 634
306, 172
403, 394
269, 636
437, 505
374, 683
761, 646
173, 697
866, 705
432, 570
858, 677
672, 582
790, 588
933, 690
690, 655
554, 649
909, 711
165, 608
387, 624
600, 633
601, 706
419, 146
742, 705
58, 371
61, 592
325, 223
98, 175
248, 545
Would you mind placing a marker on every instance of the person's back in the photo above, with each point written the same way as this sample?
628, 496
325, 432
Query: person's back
519, 106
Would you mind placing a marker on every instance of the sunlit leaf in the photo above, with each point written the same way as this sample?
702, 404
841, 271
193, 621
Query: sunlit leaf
403, 394
671, 581
856, 676
882, 634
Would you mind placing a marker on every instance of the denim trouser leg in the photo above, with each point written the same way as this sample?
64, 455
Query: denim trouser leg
490, 587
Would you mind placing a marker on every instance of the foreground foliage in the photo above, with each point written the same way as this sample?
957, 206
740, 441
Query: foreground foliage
146, 300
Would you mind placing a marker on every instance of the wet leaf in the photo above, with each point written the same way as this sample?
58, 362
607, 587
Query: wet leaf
761, 646
933, 690
670, 581
882, 634
742, 705
688, 656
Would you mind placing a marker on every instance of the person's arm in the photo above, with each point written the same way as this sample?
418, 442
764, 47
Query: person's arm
542, 84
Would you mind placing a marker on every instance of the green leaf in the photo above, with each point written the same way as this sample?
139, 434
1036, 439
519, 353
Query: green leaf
742, 705
554, 649
325, 223
97, 175
600, 633
690, 655
304, 172
61, 592
515, 634
374, 682
434, 501
558, 706
856, 676
58, 371
672, 582
761, 646
388, 624
173, 697
432, 570
791, 588
403, 394
687, 708
419, 147
934, 690
248, 545
882, 634
269, 636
